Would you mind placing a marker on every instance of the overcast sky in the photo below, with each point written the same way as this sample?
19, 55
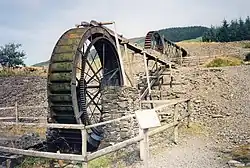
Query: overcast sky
37, 24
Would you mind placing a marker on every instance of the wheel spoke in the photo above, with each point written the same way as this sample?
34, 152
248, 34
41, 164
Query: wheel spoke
93, 76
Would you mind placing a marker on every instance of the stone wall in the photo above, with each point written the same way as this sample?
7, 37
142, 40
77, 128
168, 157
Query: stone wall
117, 102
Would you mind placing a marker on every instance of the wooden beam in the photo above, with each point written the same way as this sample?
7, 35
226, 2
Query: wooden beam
176, 126
28, 118
49, 155
171, 102
114, 148
61, 126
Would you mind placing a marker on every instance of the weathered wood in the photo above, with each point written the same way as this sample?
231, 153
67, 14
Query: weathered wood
162, 128
61, 126
84, 147
31, 107
110, 121
28, 118
146, 71
7, 108
176, 126
22, 107
146, 148
189, 113
141, 144
16, 112
113, 148
175, 101
49, 155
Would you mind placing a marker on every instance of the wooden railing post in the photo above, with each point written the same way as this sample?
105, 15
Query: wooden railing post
176, 126
84, 147
141, 144
16, 112
145, 148
189, 113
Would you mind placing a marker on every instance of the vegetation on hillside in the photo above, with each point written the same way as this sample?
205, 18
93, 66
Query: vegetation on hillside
23, 71
11, 56
177, 34
236, 30
224, 61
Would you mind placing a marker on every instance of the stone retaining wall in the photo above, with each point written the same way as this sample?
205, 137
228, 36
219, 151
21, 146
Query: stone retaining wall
117, 102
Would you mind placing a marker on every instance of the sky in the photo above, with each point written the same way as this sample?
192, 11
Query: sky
37, 24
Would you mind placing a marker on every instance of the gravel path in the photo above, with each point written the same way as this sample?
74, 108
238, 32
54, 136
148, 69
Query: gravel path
195, 152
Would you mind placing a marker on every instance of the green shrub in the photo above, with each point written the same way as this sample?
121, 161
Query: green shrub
246, 45
103, 162
224, 61
31, 162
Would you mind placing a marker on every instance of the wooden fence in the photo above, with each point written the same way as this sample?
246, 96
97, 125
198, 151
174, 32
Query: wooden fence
17, 117
85, 157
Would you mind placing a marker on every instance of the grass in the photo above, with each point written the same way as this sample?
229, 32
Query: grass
32, 162
241, 153
17, 130
224, 61
246, 45
198, 39
101, 162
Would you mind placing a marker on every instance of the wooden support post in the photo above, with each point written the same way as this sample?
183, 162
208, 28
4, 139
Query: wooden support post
120, 55
141, 145
16, 112
146, 70
176, 127
189, 113
181, 60
171, 76
130, 63
146, 148
84, 147
147, 75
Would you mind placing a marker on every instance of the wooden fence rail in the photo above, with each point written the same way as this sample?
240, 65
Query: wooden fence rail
142, 138
17, 116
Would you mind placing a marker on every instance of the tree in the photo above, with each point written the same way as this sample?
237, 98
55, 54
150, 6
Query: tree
247, 28
11, 56
233, 28
223, 32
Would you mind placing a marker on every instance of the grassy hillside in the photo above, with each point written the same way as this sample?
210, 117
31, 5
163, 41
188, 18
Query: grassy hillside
198, 39
183, 33
41, 64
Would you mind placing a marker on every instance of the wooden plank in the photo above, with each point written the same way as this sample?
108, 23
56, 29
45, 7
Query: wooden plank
113, 148
28, 118
171, 102
31, 107
16, 111
146, 148
7, 108
166, 126
61, 126
84, 147
49, 155
109, 121
162, 128
151, 83
176, 127
189, 112
22, 107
